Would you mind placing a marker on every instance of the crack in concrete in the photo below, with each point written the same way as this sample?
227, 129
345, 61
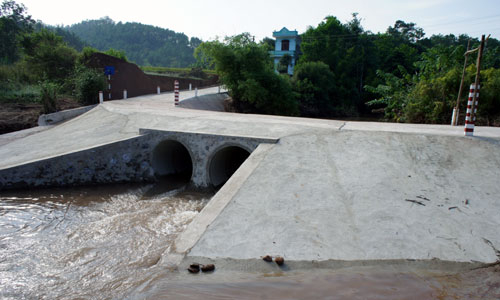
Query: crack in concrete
497, 252
342, 126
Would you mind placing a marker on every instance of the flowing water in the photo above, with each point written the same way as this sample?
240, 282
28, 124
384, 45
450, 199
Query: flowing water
111, 242
94, 242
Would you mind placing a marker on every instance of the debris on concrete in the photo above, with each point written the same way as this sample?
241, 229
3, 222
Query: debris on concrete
194, 268
208, 268
267, 258
415, 201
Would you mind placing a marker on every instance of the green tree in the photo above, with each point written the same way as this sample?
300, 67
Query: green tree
345, 48
14, 21
48, 56
314, 83
269, 43
406, 31
246, 69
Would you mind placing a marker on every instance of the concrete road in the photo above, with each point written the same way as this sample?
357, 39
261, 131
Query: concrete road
328, 191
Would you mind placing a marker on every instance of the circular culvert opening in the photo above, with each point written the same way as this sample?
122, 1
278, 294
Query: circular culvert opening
171, 159
225, 162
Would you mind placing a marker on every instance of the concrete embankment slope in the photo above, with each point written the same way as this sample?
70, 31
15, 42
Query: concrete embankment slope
364, 196
326, 191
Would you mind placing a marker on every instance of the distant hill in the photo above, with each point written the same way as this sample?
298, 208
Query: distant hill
144, 45
69, 37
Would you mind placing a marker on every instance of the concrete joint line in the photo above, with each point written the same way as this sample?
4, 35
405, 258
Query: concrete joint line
188, 239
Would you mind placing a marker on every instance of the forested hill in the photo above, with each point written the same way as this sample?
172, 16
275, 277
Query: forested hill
143, 44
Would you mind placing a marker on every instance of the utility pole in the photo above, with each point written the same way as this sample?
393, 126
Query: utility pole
454, 121
476, 82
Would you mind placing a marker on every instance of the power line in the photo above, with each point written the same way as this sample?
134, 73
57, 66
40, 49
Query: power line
463, 21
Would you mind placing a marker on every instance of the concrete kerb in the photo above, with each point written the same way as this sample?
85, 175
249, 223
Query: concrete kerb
258, 265
188, 238
53, 118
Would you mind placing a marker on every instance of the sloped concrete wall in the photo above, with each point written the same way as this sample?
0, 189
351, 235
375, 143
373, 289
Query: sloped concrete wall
128, 160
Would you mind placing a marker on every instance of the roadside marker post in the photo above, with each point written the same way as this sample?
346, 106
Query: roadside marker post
176, 93
454, 116
101, 97
471, 112
190, 86
196, 92
158, 90
470, 116
124, 94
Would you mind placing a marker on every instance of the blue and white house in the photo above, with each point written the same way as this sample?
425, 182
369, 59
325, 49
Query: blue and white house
287, 42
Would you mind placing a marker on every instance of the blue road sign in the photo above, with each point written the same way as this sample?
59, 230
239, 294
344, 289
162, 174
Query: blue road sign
109, 70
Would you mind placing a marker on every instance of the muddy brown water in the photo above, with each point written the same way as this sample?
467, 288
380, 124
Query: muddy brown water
111, 242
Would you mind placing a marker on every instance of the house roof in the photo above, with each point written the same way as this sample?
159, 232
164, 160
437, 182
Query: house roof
284, 32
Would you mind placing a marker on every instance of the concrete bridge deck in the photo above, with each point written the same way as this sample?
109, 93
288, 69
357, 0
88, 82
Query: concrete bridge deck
326, 191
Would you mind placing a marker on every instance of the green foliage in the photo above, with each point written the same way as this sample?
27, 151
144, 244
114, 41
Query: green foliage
489, 102
392, 95
20, 94
269, 43
406, 31
246, 69
88, 83
48, 96
47, 56
314, 83
16, 84
84, 56
68, 37
284, 62
193, 73
116, 53
14, 22
430, 95
348, 52
144, 44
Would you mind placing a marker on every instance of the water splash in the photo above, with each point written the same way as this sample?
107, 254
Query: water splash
94, 242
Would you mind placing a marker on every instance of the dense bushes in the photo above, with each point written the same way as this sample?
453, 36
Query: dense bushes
88, 83
48, 97
47, 56
246, 69
314, 84
430, 95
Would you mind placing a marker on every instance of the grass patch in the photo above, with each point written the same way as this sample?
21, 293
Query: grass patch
20, 94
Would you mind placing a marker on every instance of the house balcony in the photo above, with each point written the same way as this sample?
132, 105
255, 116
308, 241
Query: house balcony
281, 53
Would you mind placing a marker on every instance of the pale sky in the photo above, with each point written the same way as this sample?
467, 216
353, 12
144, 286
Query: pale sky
219, 18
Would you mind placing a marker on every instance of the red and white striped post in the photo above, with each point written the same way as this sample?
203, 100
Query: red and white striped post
470, 117
176, 92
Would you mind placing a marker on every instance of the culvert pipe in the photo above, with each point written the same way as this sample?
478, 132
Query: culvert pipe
224, 163
172, 158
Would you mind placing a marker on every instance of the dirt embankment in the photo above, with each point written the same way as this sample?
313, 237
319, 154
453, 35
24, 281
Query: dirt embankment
130, 77
19, 116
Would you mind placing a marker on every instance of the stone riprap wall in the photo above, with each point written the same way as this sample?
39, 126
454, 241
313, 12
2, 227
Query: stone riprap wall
127, 160
121, 161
